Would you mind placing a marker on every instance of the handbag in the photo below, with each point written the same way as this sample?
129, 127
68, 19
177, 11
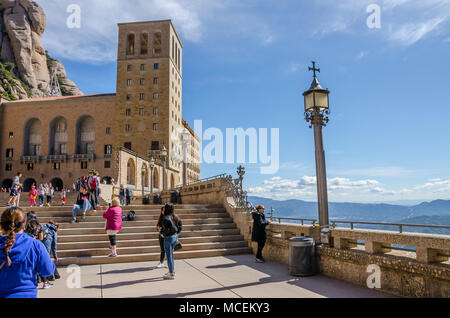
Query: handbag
178, 246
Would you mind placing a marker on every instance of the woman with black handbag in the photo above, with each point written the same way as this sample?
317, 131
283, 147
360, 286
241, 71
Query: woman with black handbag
171, 227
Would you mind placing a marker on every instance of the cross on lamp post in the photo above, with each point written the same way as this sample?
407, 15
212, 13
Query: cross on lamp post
316, 110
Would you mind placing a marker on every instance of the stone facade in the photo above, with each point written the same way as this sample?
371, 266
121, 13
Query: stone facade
59, 139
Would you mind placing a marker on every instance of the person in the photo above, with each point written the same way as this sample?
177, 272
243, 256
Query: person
85, 202
128, 196
33, 195
93, 186
171, 227
50, 238
259, 231
63, 197
47, 194
161, 239
41, 194
17, 200
52, 192
14, 190
122, 195
113, 218
22, 258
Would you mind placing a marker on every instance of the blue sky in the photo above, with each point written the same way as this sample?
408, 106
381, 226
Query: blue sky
245, 65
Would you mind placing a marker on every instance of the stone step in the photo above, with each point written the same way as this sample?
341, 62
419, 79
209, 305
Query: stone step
104, 243
157, 208
98, 218
129, 258
144, 235
143, 229
101, 224
149, 249
53, 214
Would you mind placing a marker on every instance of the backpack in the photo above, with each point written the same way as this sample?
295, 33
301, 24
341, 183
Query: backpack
173, 229
131, 216
124, 217
93, 184
45, 232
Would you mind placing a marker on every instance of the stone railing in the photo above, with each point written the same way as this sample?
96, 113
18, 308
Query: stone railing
429, 248
423, 273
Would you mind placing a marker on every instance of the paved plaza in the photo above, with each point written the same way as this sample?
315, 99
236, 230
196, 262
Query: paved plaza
214, 277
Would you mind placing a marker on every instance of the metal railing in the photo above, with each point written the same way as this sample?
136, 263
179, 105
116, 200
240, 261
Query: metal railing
400, 225
302, 221
219, 176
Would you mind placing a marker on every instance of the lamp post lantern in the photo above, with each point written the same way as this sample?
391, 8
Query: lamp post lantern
163, 155
185, 138
152, 166
241, 173
316, 110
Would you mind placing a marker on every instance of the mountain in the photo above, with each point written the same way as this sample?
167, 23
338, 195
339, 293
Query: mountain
25, 66
435, 212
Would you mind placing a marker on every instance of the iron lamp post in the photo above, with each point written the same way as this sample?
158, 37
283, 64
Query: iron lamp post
152, 166
185, 138
143, 170
316, 110
163, 155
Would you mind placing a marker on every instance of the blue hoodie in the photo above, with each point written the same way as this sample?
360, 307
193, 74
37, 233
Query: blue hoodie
28, 258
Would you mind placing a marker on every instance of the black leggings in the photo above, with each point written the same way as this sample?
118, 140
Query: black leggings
112, 239
161, 245
260, 248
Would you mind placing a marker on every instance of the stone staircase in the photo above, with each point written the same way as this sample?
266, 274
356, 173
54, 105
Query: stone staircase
208, 231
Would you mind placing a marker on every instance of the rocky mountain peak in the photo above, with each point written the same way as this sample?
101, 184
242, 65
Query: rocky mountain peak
26, 67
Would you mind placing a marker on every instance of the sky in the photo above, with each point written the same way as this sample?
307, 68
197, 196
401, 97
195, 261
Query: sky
245, 65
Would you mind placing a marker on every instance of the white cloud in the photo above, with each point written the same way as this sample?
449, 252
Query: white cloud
388, 171
345, 189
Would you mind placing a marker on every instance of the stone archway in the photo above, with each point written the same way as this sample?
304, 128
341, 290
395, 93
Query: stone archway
131, 172
7, 184
27, 184
155, 178
32, 137
85, 137
57, 184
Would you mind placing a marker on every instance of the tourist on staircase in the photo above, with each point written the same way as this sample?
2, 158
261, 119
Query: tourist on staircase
128, 196
14, 193
113, 218
21, 257
259, 231
122, 195
47, 194
171, 227
33, 195
85, 202
161, 239
41, 194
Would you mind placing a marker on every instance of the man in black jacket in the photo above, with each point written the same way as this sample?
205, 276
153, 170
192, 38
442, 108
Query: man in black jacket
259, 231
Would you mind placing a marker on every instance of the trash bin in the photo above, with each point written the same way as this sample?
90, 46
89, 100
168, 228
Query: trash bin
175, 196
157, 199
146, 200
302, 256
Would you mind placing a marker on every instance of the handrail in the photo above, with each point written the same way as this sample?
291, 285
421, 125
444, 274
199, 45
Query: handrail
400, 225
219, 176
294, 219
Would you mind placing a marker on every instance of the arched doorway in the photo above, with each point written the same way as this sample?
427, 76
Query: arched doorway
7, 183
57, 184
27, 184
131, 172
107, 180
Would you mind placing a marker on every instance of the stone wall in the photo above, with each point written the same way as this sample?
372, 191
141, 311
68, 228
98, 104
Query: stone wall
400, 276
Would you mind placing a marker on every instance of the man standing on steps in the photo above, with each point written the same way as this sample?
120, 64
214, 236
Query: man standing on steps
14, 193
259, 231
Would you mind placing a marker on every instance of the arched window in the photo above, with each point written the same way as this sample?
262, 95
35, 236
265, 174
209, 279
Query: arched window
33, 137
144, 43
157, 42
85, 135
131, 172
130, 44
58, 136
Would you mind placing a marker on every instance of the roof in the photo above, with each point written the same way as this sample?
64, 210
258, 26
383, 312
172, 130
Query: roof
59, 98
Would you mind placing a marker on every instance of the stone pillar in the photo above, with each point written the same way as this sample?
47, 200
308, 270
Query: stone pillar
377, 248
429, 255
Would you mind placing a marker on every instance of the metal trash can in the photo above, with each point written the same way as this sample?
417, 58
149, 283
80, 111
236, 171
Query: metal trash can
302, 256
175, 196
157, 199
146, 200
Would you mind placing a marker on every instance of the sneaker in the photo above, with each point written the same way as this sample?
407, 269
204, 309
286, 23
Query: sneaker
74, 221
47, 285
160, 265
259, 260
169, 276
83, 217
113, 254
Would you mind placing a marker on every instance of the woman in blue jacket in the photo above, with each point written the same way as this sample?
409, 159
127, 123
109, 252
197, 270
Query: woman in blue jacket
21, 257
